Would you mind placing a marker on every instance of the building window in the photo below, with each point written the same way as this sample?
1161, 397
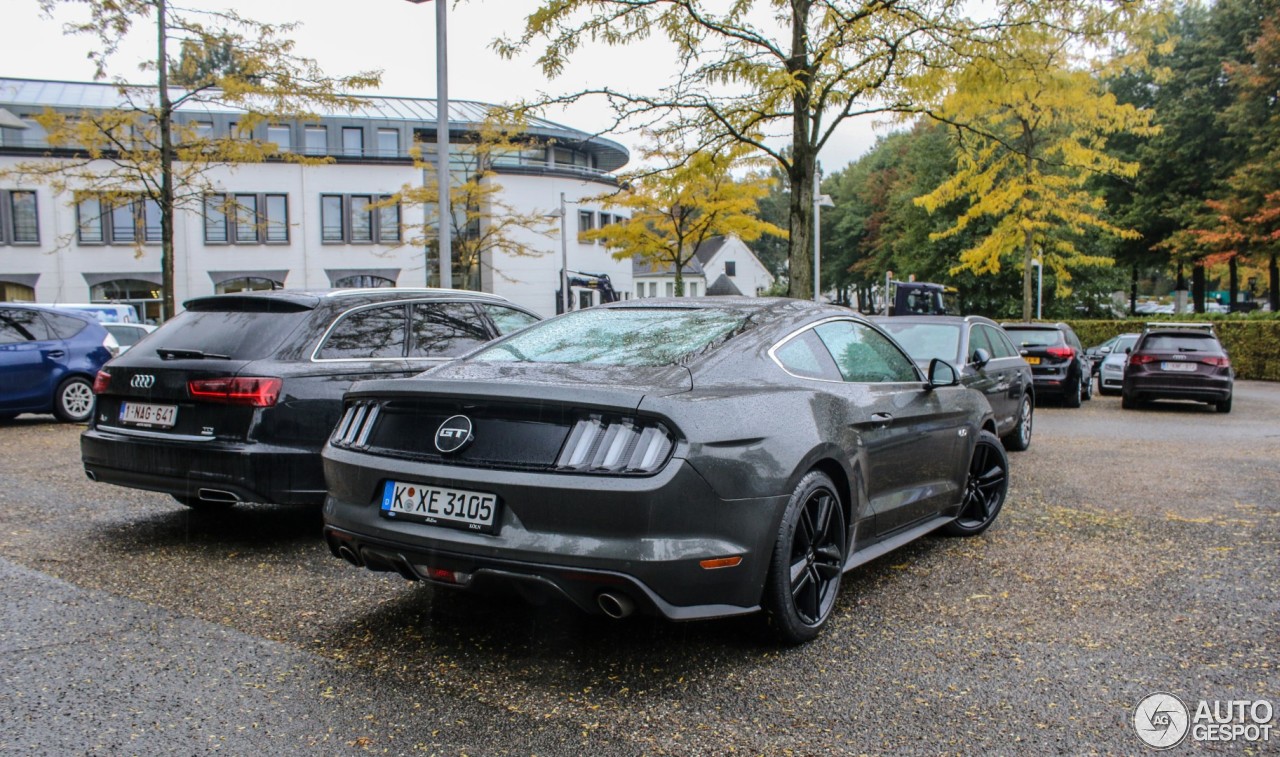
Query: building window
363, 281
246, 219
584, 299
203, 130
282, 136
586, 222
117, 221
691, 289
653, 289
388, 143
671, 289
11, 292
730, 268
357, 219
247, 284
316, 140
352, 141
19, 222
640, 290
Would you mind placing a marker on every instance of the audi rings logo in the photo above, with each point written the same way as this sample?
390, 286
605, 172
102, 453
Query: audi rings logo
143, 381
1161, 720
454, 434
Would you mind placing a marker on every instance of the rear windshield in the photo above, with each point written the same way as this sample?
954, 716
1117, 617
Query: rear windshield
238, 335
925, 341
622, 336
1181, 343
1035, 337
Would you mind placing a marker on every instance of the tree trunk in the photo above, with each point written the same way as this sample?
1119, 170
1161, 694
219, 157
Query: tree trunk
1133, 289
165, 125
1198, 286
804, 161
1027, 256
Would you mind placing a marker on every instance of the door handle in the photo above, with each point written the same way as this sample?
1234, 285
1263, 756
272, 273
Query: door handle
881, 419
56, 354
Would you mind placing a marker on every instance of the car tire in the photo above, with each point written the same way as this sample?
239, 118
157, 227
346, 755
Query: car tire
8, 417
1071, 397
984, 490
1224, 406
73, 401
808, 561
1088, 390
199, 505
1019, 439
1128, 401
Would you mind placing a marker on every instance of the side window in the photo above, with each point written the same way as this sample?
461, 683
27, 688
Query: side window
508, 320
446, 329
64, 326
24, 326
978, 339
367, 334
11, 330
805, 356
863, 355
1000, 344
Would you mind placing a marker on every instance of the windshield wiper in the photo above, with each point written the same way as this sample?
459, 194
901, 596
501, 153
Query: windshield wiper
169, 353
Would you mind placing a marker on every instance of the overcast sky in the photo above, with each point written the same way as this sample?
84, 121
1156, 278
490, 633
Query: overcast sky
397, 37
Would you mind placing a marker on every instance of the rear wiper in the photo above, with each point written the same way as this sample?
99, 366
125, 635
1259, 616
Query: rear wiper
168, 353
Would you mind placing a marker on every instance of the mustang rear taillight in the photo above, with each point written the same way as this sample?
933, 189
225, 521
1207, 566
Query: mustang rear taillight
101, 381
1140, 359
254, 391
625, 445
1063, 352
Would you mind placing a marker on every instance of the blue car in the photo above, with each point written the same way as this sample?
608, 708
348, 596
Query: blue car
49, 359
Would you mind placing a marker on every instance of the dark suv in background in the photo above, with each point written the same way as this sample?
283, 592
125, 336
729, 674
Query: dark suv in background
1178, 361
1059, 365
232, 400
48, 359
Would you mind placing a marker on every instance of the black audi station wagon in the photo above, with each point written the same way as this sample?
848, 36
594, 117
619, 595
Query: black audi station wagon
681, 458
232, 400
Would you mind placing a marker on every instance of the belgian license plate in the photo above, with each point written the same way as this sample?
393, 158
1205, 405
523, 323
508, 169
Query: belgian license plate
144, 414
1033, 361
453, 508
1182, 367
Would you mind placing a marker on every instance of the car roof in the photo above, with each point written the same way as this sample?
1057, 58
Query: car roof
78, 314
953, 319
308, 299
1041, 326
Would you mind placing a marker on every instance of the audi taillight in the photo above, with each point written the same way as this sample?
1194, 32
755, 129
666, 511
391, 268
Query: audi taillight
1065, 353
620, 445
1221, 361
100, 382
1141, 359
242, 390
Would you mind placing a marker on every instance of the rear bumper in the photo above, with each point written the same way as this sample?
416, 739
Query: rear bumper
1201, 388
249, 472
575, 536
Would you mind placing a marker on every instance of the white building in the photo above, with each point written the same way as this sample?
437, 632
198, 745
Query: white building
307, 226
720, 266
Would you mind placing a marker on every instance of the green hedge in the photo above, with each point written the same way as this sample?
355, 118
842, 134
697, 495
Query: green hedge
1252, 343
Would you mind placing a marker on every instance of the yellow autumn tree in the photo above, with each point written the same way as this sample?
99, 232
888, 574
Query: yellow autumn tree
692, 199
483, 221
1031, 122
139, 148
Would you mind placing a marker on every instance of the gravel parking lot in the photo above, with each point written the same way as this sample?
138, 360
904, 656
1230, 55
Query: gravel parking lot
1139, 552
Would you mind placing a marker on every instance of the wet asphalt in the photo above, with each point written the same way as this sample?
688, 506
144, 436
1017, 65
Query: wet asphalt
1139, 551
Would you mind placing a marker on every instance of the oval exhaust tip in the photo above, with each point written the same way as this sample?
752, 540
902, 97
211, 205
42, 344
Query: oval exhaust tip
349, 554
616, 606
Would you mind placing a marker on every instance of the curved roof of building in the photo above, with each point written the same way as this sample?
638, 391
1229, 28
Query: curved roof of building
463, 114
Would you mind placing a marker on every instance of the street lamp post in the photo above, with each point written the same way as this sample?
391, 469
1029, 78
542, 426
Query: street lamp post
1039, 284
819, 202
442, 143
564, 253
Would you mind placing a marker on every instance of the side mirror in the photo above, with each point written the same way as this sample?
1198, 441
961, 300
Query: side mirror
941, 373
1104, 350
980, 357
1128, 350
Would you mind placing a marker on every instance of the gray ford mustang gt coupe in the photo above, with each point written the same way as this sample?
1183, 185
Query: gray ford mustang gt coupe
687, 458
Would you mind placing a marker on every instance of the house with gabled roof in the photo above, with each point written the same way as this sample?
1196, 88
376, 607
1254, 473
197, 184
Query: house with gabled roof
732, 268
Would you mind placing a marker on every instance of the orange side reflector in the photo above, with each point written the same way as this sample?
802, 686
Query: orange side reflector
721, 562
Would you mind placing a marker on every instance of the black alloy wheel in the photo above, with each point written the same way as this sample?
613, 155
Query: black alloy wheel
985, 489
808, 560
1019, 439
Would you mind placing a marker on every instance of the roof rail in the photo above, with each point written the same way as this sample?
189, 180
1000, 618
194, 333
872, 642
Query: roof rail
1201, 326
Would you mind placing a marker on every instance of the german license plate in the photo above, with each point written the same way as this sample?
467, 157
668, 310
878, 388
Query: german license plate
1181, 367
454, 508
1033, 361
144, 414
